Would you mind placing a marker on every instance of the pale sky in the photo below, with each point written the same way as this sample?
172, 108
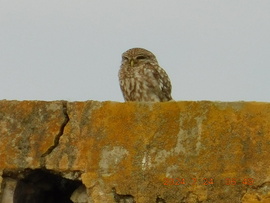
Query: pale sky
71, 50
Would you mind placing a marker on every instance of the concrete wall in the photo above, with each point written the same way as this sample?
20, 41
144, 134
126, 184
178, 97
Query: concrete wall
144, 152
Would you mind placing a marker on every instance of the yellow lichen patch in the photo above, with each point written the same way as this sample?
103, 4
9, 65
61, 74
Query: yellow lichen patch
259, 195
90, 179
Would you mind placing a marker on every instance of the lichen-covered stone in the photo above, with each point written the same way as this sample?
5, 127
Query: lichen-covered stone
27, 130
146, 152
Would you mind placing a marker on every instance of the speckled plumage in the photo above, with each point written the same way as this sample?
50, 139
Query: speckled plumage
142, 79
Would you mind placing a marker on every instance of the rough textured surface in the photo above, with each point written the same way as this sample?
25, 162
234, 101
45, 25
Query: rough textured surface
28, 130
146, 152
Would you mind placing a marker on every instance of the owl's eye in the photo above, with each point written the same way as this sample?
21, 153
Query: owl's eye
124, 58
141, 57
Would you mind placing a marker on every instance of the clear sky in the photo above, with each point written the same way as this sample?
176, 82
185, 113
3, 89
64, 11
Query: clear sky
71, 49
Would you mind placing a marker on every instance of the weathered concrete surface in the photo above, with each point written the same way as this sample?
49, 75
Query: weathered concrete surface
148, 152
28, 130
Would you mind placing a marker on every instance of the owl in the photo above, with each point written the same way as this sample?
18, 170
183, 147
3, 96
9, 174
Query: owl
142, 79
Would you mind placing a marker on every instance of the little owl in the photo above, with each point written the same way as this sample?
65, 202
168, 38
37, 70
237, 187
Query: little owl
142, 79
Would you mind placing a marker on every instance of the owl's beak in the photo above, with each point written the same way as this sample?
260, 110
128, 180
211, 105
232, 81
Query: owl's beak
131, 62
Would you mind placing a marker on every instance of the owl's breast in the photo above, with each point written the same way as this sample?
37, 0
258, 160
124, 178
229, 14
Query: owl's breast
126, 72
138, 84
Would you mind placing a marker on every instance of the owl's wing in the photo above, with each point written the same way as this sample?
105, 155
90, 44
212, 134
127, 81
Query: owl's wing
163, 80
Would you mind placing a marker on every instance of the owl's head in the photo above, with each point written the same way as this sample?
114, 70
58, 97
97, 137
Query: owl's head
137, 56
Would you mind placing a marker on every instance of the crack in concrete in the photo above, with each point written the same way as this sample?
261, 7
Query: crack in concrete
58, 136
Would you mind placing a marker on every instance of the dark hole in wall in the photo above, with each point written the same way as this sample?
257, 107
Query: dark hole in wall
42, 186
